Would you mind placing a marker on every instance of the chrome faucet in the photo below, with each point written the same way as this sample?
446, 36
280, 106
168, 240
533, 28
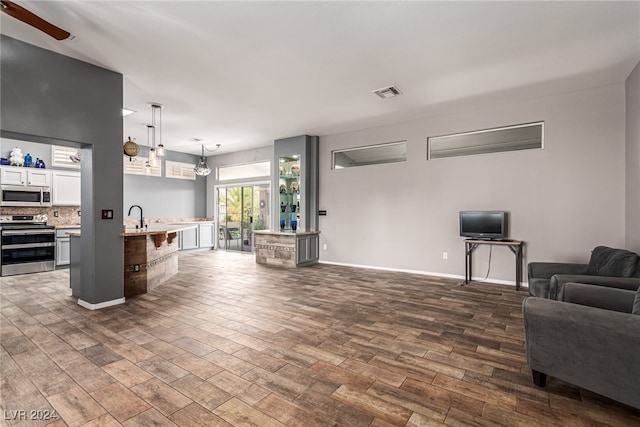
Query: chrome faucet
141, 218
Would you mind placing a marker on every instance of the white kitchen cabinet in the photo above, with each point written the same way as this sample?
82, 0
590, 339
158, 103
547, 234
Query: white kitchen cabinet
15, 175
206, 234
63, 248
189, 239
200, 237
65, 188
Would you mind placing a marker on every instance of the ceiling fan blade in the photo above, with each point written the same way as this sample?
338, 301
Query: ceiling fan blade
22, 14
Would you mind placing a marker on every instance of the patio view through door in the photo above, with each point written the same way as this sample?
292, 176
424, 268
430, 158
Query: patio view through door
241, 210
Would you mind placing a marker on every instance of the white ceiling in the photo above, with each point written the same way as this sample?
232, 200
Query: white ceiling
242, 74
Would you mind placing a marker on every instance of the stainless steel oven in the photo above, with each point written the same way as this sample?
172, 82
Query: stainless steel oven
27, 244
25, 196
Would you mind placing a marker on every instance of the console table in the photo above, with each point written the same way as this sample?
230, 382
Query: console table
514, 245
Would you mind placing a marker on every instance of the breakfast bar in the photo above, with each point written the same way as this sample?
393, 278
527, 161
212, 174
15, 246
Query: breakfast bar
150, 256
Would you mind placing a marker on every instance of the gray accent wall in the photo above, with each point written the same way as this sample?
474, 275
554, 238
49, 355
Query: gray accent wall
563, 200
632, 112
162, 197
53, 99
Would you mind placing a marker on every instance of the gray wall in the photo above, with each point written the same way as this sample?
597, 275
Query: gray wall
162, 197
53, 99
563, 200
632, 112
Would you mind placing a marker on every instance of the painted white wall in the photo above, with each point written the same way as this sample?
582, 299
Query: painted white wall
229, 159
563, 200
632, 112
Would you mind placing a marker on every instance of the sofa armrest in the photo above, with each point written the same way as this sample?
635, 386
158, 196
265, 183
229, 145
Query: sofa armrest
558, 281
545, 270
592, 348
599, 296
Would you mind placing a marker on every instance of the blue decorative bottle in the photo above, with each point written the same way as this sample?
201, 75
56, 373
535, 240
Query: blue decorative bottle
28, 160
40, 163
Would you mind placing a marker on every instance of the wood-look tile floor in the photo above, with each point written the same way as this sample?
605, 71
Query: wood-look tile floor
228, 342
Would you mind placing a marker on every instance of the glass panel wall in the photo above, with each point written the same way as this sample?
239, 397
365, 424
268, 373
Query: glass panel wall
241, 211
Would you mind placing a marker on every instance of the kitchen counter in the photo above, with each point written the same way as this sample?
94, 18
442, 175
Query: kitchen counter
154, 229
284, 233
288, 250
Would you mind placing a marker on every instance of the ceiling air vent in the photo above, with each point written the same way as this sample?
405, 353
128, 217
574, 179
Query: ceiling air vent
387, 92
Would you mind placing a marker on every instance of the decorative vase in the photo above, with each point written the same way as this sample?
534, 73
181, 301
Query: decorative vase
283, 207
295, 187
294, 224
16, 158
283, 223
28, 160
295, 169
40, 164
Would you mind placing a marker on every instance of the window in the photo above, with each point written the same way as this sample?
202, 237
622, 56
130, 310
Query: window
61, 157
179, 170
370, 155
247, 170
136, 166
510, 138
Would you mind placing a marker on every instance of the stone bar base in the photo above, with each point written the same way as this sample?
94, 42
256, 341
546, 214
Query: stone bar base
148, 262
288, 250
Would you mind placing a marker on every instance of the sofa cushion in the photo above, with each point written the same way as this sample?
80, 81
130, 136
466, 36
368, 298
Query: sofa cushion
612, 262
539, 287
636, 304
636, 272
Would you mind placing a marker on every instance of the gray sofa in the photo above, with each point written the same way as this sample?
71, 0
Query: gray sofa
591, 339
617, 268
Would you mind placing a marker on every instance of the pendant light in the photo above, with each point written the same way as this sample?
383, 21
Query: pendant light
156, 125
160, 147
202, 168
147, 164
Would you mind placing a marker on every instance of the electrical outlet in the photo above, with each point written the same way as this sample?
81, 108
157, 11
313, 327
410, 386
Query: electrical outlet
56, 214
79, 213
445, 255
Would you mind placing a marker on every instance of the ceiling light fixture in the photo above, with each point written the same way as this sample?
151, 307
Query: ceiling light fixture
156, 124
202, 169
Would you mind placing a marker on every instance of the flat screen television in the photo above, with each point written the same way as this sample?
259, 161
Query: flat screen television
485, 225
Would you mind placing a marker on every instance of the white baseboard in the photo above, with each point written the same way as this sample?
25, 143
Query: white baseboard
427, 273
100, 305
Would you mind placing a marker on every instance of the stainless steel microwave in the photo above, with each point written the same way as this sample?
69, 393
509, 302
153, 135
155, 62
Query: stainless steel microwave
25, 196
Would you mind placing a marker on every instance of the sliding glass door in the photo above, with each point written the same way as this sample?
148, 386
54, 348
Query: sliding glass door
241, 211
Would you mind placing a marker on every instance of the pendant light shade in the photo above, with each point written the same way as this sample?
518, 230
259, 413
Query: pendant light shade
202, 168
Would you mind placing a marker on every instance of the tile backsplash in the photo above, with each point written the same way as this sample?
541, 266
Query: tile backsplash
67, 215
